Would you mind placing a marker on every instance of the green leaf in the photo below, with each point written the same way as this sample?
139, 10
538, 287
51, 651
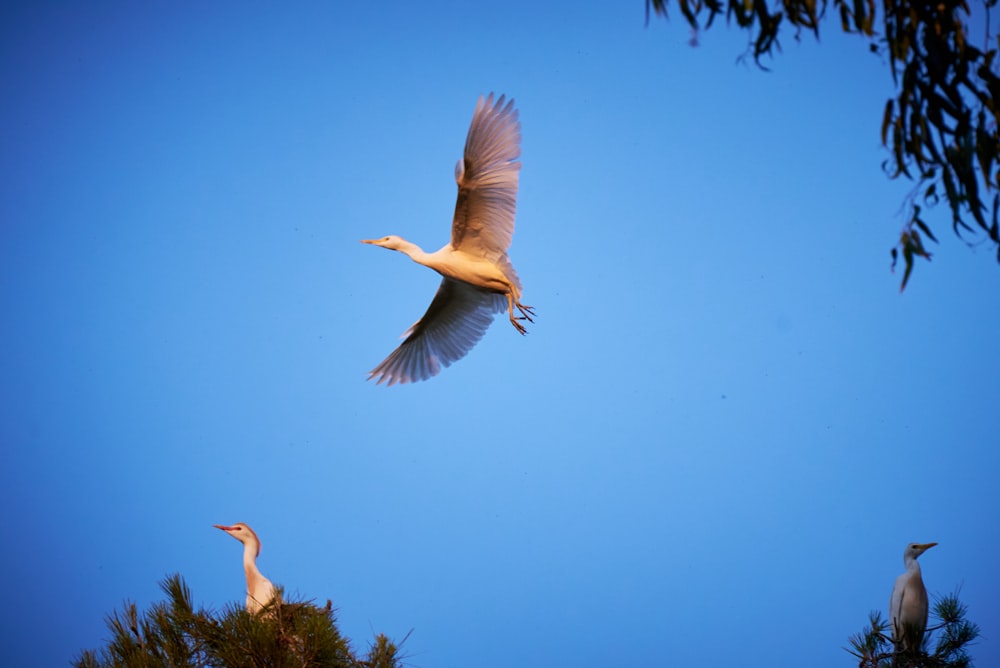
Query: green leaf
886, 119
845, 18
908, 258
994, 229
926, 230
930, 195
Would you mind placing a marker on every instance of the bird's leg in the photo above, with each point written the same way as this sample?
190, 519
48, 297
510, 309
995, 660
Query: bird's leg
525, 311
518, 326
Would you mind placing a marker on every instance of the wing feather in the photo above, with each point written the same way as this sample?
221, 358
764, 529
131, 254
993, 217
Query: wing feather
455, 321
896, 607
487, 178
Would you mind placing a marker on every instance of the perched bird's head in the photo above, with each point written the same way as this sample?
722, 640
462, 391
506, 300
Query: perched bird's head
914, 550
242, 533
392, 242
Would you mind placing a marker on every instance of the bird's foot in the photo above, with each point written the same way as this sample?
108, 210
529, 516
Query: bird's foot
526, 312
518, 326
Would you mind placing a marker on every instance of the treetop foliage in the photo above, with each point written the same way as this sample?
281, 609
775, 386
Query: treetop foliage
874, 648
940, 127
286, 633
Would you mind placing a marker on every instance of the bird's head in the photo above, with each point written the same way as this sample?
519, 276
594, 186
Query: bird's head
242, 533
914, 550
392, 242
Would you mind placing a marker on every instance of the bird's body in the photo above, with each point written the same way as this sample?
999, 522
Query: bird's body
478, 279
908, 604
465, 267
260, 591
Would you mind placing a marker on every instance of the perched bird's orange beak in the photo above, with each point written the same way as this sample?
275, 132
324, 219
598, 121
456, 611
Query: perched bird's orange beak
220, 526
368, 241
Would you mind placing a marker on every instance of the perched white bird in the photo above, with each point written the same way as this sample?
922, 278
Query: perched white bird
908, 603
260, 591
479, 280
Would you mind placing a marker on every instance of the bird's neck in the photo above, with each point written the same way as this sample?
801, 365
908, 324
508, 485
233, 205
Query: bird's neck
250, 564
415, 252
912, 565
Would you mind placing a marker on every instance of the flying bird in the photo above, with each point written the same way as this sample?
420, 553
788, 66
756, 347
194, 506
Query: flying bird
260, 591
478, 279
908, 603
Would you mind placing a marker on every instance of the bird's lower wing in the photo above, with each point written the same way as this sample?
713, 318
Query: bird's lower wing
895, 607
895, 614
454, 322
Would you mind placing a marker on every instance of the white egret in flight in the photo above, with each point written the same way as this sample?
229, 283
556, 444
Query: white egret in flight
908, 603
260, 591
479, 280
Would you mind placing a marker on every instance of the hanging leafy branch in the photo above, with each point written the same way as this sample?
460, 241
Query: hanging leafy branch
940, 127
950, 638
286, 633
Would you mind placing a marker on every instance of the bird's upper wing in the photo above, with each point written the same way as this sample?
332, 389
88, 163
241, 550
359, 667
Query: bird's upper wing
487, 180
454, 322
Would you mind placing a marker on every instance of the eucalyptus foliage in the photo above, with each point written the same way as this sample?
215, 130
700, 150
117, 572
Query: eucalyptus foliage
172, 634
941, 124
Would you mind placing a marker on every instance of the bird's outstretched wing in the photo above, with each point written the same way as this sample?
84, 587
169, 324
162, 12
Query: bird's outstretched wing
454, 322
487, 181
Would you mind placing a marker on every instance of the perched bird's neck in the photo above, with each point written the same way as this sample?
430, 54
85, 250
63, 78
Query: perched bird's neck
250, 564
912, 565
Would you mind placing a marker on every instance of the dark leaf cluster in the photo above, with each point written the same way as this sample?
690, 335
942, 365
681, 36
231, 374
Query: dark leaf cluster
172, 634
950, 638
940, 126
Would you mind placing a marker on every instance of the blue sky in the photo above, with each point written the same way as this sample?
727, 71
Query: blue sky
712, 447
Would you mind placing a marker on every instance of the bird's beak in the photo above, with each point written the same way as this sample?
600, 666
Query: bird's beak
923, 547
220, 526
368, 241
